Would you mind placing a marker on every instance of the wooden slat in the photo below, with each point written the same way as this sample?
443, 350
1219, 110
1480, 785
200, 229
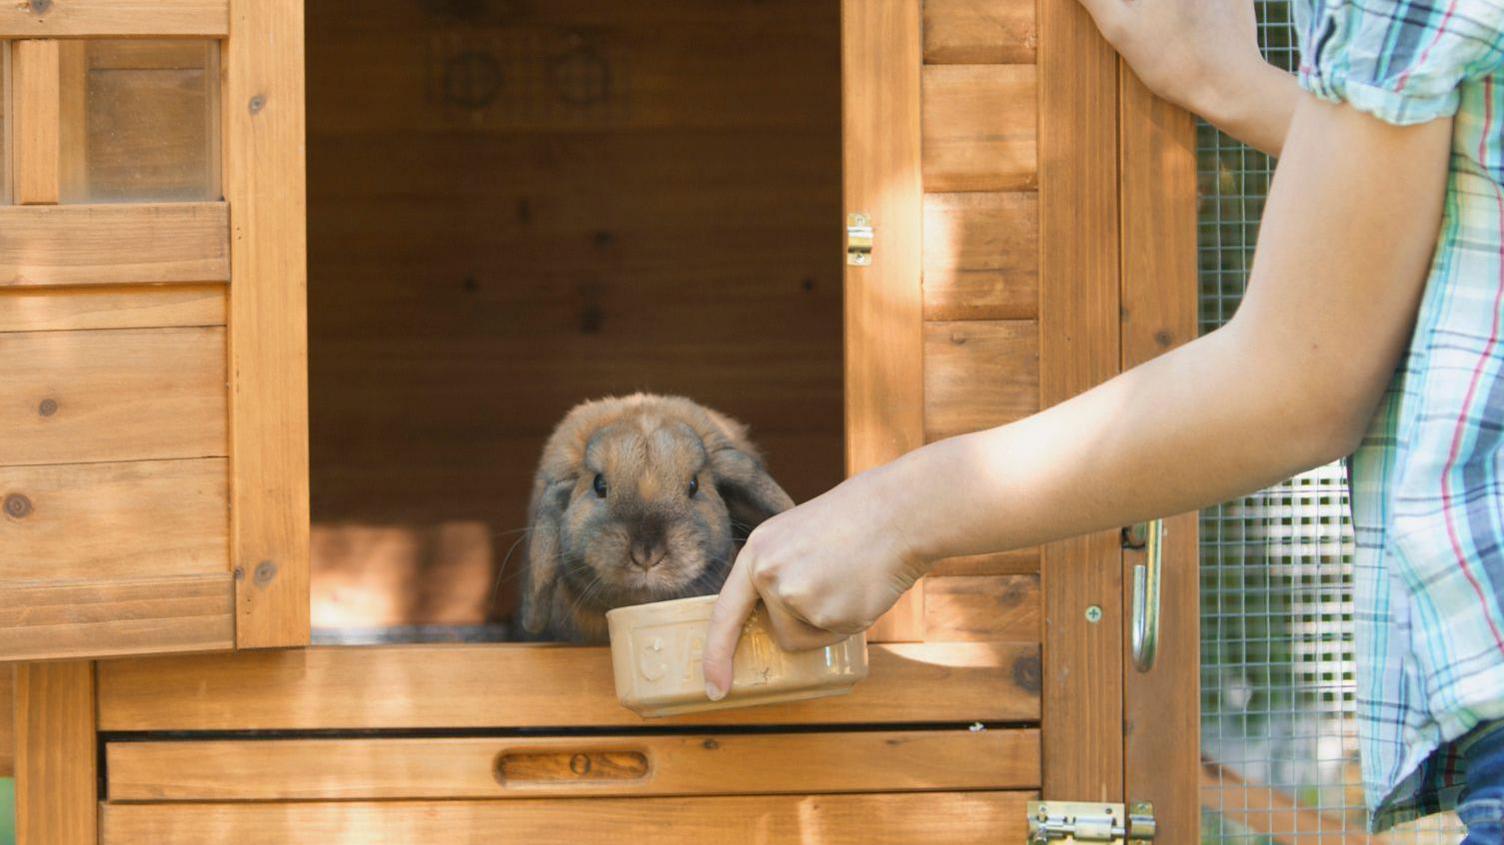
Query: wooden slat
530, 686
45, 310
1162, 709
7, 721
1078, 338
134, 394
979, 128
101, 522
114, 244
113, 18
982, 608
708, 764
937, 818
113, 618
981, 256
36, 169
979, 32
265, 183
1019, 562
56, 755
880, 60
978, 374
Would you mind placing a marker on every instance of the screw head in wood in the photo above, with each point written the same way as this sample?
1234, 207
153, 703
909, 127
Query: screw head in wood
17, 506
1094, 614
257, 103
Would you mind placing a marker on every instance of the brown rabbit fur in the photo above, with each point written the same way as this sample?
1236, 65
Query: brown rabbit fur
637, 499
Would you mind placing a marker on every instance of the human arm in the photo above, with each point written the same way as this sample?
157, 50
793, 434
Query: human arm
1203, 55
1291, 382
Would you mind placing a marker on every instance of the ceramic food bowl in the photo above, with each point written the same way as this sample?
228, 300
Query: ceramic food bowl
656, 651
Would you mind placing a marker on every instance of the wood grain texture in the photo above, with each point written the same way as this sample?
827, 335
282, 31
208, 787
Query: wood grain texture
7, 721
158, 306
1018, 562
265, 183
113, 244
56, 754
114, 18
980, 128
1079, 347
708, 764
982, 608
979, 32
978, 374
1162, 708
91, 523
93, 396
530, 686
942, 818
192, 613
36, 164
981, 256
880, 56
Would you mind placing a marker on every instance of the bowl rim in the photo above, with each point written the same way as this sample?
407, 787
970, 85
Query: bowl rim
666, 603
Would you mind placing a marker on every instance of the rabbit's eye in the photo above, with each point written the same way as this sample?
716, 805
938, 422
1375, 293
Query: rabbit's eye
600, 486
694, 486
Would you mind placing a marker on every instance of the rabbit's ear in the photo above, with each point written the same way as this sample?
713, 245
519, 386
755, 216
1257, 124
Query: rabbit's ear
751, 495
549, 501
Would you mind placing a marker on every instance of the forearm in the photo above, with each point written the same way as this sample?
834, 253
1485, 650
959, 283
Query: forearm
1253, 104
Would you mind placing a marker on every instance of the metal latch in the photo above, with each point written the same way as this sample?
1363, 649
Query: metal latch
858, 239
1080, 821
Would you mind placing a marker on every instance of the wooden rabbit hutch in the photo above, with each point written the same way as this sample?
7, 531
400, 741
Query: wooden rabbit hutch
210, 459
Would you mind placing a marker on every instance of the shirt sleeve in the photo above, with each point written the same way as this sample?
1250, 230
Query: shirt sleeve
1402, 62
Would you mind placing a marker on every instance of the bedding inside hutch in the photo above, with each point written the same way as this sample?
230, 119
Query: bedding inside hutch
515, 206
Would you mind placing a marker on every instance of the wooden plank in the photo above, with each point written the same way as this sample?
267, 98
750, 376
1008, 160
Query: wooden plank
1078, 337
265, 183
980, 128
105, 619
7, 722
1162, 708
979, 32
982, 608
941, 818
704, 764
163, 306
113, 18
517, 685
981, 256
1017, 562
115, 395
56, 755
880, 60
114, 244
89, 523
978, 374
36, 168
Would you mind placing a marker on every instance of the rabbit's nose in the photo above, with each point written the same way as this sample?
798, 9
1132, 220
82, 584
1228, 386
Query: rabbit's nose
646, 557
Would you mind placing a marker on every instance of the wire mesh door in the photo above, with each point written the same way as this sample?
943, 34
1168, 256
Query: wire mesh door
1278, 734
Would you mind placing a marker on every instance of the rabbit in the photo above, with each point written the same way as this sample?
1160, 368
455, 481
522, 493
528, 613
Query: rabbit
637, 499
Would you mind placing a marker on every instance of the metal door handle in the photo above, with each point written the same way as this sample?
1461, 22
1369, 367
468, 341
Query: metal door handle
1146, 597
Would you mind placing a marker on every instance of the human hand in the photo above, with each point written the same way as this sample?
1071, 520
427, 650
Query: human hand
825, 570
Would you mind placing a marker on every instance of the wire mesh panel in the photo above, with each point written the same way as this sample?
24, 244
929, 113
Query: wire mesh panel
1277, 678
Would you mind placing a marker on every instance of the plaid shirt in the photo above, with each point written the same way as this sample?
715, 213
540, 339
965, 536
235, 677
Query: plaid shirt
1428, 480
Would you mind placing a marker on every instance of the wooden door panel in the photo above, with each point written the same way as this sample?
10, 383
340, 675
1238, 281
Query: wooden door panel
940, 818
370, 769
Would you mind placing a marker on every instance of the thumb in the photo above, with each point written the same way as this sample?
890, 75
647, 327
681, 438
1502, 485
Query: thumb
736, 602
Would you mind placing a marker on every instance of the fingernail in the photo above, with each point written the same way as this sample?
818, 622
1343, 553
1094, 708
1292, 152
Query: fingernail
713, 692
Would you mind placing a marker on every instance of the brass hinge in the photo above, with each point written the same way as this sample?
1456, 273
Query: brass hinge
1080, 821
858, 239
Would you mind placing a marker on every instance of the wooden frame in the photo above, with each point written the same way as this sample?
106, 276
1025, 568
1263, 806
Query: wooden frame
114, 19
880, 63
56, 754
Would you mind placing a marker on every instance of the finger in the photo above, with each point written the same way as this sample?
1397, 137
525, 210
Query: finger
793, 633
735, 604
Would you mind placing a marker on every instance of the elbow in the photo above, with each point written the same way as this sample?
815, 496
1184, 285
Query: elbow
1334, 420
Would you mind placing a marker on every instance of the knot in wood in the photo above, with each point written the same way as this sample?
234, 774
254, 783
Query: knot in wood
265, 572
17, 506
47, 408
